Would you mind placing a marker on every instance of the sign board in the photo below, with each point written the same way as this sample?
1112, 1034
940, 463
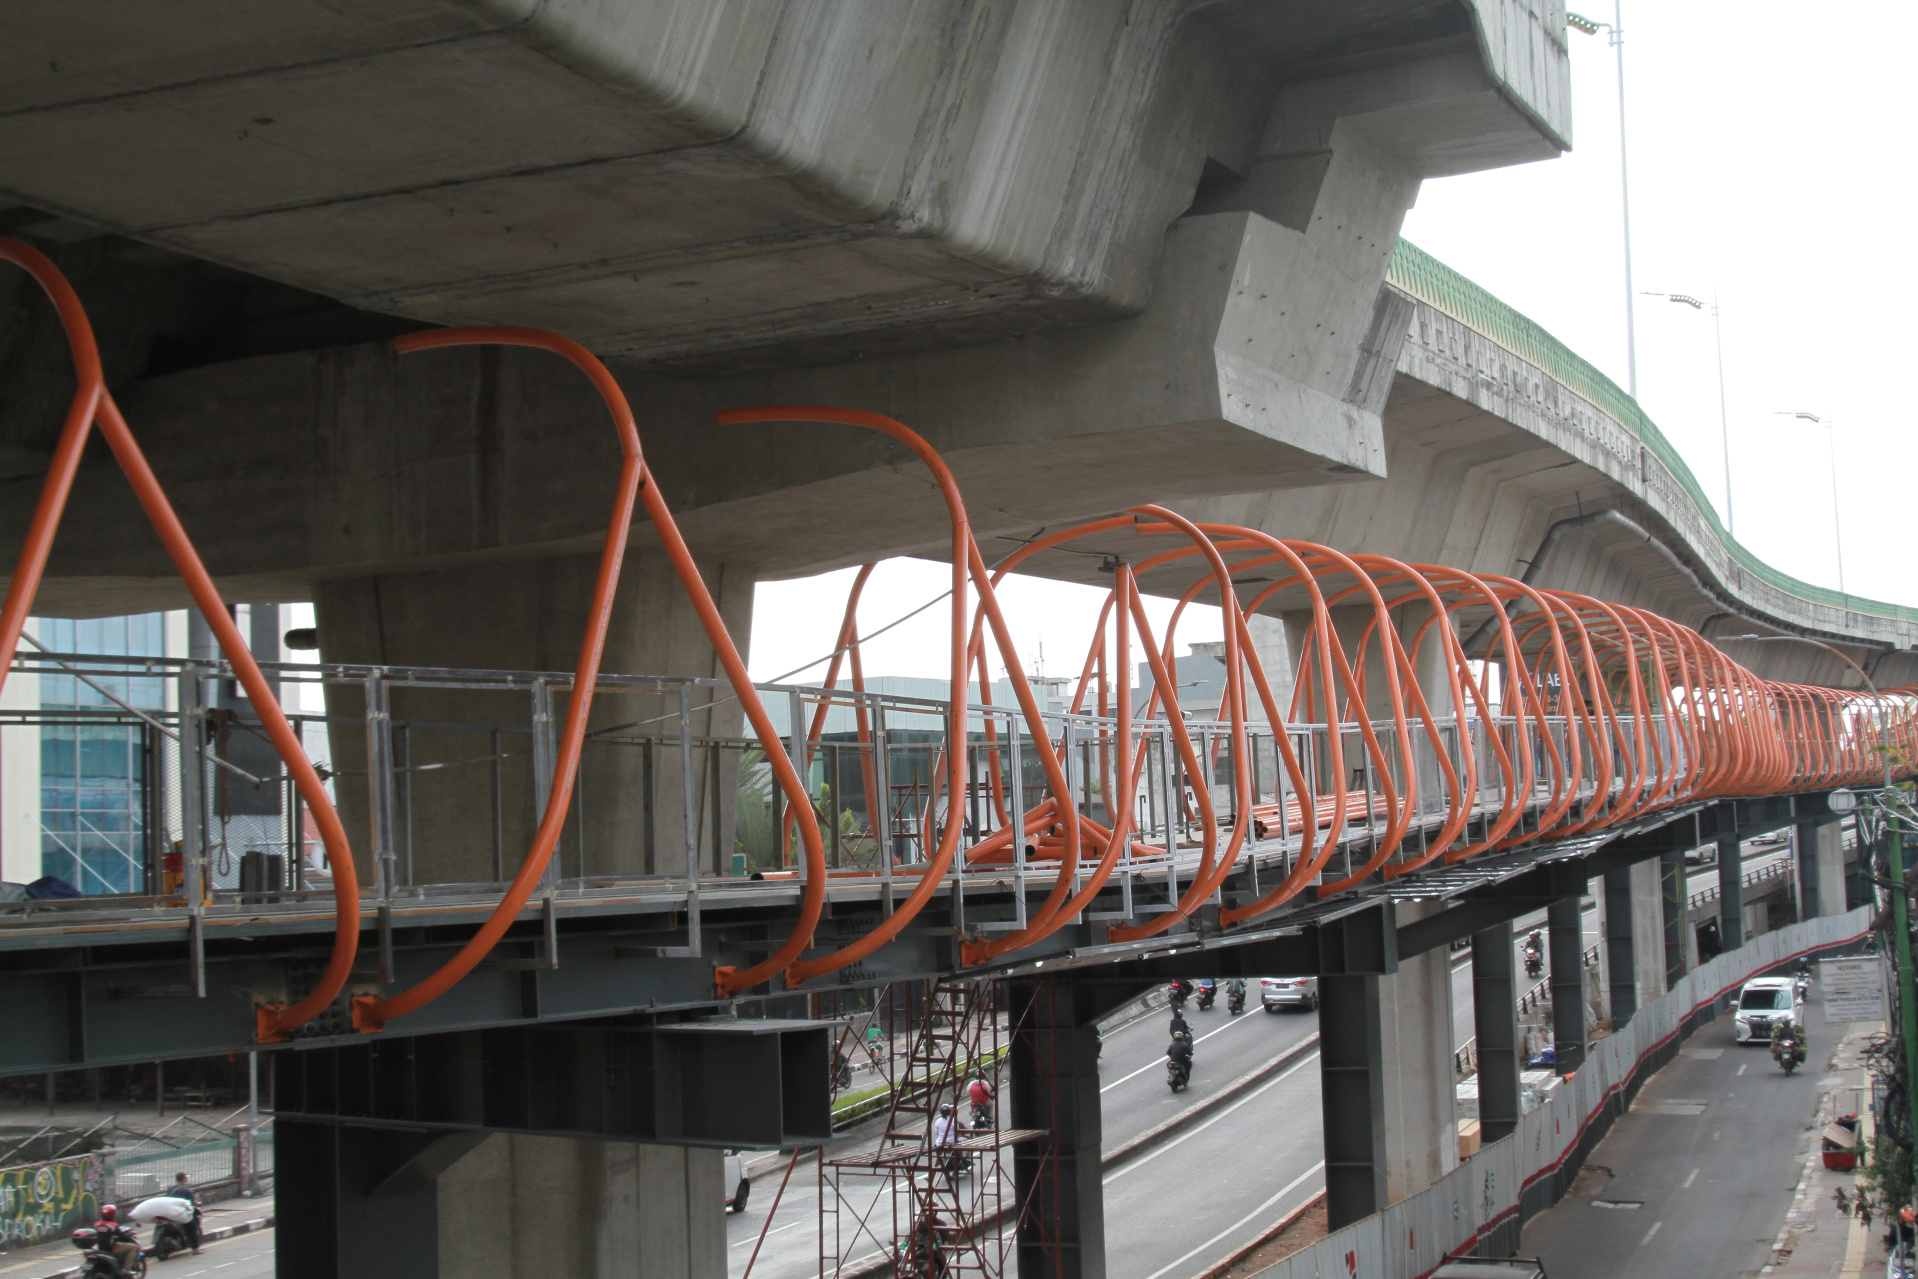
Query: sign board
1853, 989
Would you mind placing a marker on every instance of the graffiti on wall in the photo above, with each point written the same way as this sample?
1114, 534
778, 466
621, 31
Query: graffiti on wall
39, 1202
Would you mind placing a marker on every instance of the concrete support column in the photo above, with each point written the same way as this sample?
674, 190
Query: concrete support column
526, 1207
1418, 1038
1731, 880
1495, 1022
530, 615
1671, 876
1565, 943
350, 1205
1804, 843
410, 1205
1352, 1098
1648, 930
1621, 957
1055, 1088
1832, 892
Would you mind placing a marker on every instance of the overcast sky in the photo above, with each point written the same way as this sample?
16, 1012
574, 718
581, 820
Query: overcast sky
1768, 148
1769, 152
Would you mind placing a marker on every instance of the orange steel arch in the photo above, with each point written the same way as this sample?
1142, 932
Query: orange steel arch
1580, 713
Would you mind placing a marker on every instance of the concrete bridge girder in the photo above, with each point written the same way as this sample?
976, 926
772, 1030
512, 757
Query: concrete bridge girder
361, 461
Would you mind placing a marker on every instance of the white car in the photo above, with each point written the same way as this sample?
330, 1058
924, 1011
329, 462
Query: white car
1763, 1003
742, 1186
1277, 993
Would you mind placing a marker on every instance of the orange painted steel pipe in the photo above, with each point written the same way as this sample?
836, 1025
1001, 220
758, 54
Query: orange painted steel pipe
91, 404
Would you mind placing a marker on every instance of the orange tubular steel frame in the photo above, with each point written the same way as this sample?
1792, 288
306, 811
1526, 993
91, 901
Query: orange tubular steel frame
1570, 673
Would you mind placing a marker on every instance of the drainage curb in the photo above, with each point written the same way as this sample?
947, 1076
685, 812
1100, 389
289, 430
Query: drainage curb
1264, 1239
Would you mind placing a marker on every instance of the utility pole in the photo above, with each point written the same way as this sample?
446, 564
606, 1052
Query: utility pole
1615, 35
1907, 1005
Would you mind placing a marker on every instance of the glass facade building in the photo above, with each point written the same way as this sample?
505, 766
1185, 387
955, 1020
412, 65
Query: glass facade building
92, 810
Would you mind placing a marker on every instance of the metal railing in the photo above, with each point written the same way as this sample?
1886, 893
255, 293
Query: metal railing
443, 774
431, 790
1774, 869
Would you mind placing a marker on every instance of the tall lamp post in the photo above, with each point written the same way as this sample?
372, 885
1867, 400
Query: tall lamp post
1895, 859
1724, 421
1831, 448
1615, 36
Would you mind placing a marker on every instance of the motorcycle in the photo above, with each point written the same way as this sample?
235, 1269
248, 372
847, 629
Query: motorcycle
100, 1262
841, 1073
170, 1237
1534, 963
1180, 989
981, 1117
1788, 1051
1177, 1075
1235, 998
1208, 993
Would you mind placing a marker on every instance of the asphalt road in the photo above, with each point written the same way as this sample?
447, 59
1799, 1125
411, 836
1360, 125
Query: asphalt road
1711, 1151
1205, 1193
248, 1256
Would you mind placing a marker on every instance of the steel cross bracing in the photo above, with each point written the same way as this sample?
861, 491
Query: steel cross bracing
1395, 747
932, 1208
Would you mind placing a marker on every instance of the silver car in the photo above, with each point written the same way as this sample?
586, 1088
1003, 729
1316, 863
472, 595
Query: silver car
1278, 993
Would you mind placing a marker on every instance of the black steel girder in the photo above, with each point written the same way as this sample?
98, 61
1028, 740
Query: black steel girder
742, 1083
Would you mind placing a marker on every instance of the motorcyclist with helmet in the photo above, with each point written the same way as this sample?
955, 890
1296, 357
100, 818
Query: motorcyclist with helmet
1179, 1060
116, 1239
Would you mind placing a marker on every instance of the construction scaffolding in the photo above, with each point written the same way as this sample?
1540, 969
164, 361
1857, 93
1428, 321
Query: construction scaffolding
933, 1196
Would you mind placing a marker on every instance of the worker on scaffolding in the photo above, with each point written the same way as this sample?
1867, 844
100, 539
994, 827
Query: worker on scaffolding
926, 1256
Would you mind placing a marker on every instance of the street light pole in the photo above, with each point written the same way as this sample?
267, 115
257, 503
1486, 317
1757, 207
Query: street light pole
1724, 419
1837, 522
1615, 36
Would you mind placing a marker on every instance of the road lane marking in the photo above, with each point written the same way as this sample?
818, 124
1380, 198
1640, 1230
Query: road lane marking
769, 1234
1689, 1180
1190, 1134
1649, 1233
1314, 1169
1741, 1069
1240, 1020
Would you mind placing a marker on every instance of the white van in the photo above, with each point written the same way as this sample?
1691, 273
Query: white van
1763, 1004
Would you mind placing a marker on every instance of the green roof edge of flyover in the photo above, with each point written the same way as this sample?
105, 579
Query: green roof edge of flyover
1423, 277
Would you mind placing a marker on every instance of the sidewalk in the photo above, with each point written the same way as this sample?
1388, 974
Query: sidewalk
1814, 1239
58, 1260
